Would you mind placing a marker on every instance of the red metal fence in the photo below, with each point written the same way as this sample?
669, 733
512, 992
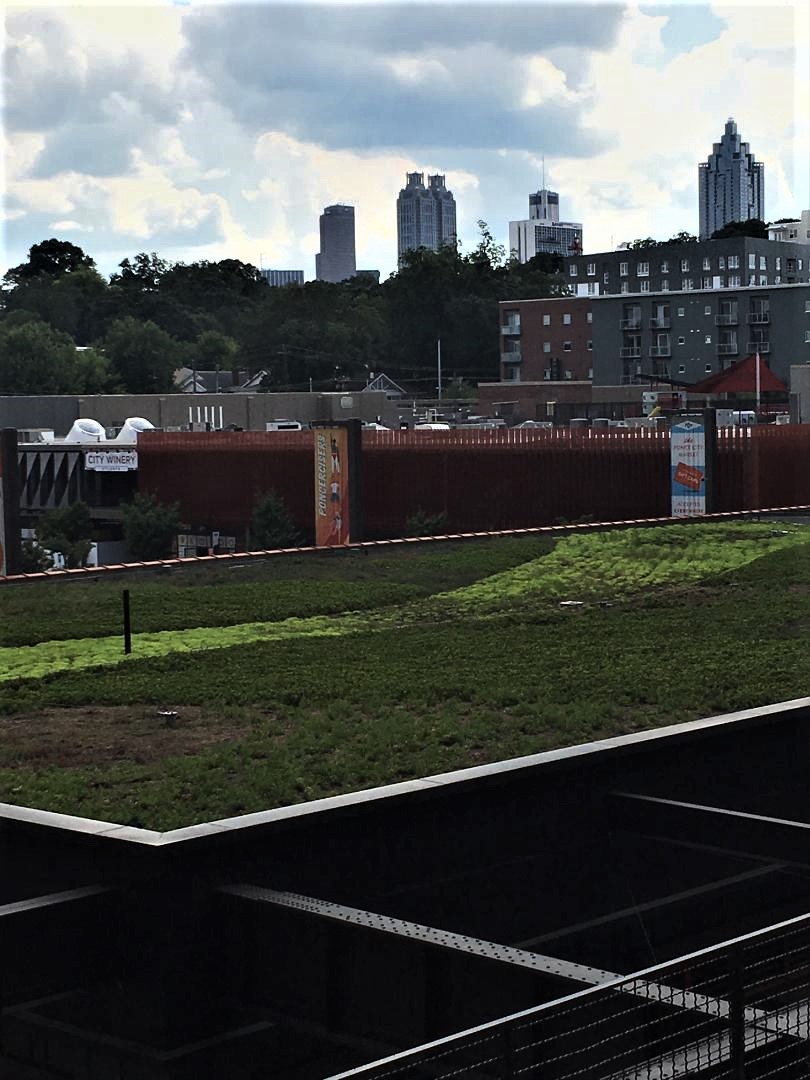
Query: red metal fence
480, 479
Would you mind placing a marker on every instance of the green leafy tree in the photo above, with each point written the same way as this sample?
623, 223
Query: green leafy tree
753, 227
143, 357
150, 526
214, 351
272, 524
51, 258
35, 359
67, 531
94, 373
33, 558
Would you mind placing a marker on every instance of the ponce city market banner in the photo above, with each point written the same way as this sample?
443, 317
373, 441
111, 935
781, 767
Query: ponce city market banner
332, 525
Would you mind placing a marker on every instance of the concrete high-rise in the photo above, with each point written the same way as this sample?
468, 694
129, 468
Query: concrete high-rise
426, 216
543, 231
336, 260
731, 184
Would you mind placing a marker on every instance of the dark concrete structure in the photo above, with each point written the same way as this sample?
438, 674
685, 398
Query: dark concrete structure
677, 267
636, 907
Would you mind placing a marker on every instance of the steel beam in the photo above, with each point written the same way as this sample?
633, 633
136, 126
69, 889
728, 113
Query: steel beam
734, 831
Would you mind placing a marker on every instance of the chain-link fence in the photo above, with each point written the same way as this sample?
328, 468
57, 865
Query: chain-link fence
739, 1010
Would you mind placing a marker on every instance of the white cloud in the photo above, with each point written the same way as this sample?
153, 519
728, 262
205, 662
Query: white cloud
70, 226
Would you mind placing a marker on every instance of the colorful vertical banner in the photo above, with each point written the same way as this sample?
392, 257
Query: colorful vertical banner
688, 467
331, 486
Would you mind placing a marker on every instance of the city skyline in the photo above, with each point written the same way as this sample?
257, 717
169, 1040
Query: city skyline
209, 131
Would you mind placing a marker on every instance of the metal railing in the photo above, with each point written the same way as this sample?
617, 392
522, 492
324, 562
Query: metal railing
740, 1009
759, 317
727, 319
631, 324
630, 352
759, 346
727, 348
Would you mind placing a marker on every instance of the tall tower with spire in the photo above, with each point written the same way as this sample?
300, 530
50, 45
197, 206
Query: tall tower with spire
731, 184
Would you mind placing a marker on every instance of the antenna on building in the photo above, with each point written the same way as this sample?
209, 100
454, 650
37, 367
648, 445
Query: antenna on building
543, 159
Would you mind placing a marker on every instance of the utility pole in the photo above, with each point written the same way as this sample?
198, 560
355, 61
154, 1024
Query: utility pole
439, 364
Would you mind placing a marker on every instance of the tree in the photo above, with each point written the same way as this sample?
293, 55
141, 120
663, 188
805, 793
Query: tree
272, 524
150, 526
142, 356
145, 273
51, 258
753, 227
214, 351
683, 238
34, 359
33, 558
67, 531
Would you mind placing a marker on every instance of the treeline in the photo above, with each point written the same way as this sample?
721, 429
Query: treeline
152, 317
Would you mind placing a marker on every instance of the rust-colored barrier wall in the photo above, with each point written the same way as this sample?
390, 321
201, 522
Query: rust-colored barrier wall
481, 479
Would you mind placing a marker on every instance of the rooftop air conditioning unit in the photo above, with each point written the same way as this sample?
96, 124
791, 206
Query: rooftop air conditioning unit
86, 431
133, 426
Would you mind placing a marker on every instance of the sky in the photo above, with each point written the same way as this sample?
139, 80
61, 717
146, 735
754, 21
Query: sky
210, 130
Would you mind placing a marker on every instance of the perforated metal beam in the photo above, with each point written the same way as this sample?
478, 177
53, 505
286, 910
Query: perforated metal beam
733, 831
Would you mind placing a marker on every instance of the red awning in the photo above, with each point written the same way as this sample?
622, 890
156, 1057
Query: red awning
741, 378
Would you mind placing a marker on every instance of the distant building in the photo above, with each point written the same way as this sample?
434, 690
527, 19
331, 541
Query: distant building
426, 216
336, 260
543, 231
797, 230
731, 184
682, 267
283, 277
373, 275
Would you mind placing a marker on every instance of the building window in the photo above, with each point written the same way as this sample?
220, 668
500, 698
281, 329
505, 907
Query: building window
763, 279
707, 309
593, 288
734, 281
681, 340
606, 278
624, 287
591, 269
752, 261
566, 318
665, 267
569, 373
686, 284
707, 264
807, 307
572, 270
681, 369
752, 279
665, 285
589, 344
644, 286
708, 369
734, 262
546, 346
721, 262
777, 280
590, 372
589, 317
681, 312
807, 337
778, 262
642, 269
707, 340
707, 283
684, 265
801, 263
567, 346
763, 263
623, 269
546, 320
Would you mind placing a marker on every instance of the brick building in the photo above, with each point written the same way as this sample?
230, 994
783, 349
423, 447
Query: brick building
549, 339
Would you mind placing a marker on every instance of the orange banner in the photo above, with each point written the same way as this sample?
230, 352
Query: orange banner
331, 487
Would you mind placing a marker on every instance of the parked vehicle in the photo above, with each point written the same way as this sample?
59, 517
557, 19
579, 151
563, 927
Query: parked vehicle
283, 425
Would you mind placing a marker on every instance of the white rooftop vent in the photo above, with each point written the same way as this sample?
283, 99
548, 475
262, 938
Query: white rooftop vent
133, 426
86, 431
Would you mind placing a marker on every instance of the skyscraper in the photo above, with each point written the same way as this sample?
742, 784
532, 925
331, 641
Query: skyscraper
426, 216
543, 231
731, 184
336, 260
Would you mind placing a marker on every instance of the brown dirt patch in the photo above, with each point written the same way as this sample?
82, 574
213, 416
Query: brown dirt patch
98, 734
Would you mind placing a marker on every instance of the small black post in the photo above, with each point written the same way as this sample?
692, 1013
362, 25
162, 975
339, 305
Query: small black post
710, 444
737, 1016
127, 624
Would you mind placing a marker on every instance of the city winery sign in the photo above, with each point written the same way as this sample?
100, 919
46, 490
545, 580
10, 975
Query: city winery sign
111, 460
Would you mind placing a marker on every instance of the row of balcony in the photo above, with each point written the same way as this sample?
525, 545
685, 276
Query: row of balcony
726, 348
755, 318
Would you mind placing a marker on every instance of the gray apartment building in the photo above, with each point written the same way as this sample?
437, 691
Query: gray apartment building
731, 184
682, 267
336, 260
686, 336
639, 338
426, 216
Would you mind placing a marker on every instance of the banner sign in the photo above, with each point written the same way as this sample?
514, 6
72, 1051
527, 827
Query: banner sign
688, 467
111, 460
331, 486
